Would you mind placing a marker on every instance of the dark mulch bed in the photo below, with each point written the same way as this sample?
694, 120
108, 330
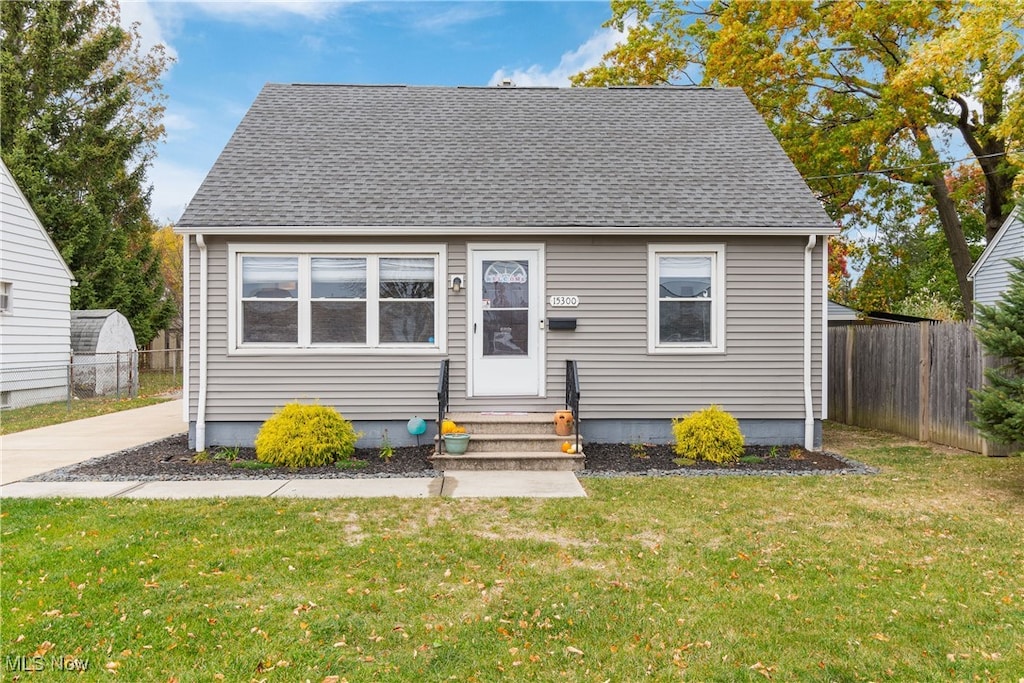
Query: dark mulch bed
171, 459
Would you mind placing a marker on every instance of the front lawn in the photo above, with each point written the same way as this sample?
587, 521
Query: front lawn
912, 574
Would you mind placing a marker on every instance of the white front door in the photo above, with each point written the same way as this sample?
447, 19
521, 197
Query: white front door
506, 286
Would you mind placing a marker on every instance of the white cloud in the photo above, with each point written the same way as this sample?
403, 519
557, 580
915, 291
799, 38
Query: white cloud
173, 188
261, 11
585, 56
453, 16
175, 121
151, 28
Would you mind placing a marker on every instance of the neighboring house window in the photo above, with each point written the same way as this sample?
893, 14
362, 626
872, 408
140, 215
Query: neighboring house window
686, 307
328, 300
5, 297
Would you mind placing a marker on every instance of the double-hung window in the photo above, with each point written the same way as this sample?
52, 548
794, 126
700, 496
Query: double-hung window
329, 299
686, 299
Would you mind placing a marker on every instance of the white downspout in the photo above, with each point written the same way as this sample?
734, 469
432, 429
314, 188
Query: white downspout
824, 329
203, 303
808, 330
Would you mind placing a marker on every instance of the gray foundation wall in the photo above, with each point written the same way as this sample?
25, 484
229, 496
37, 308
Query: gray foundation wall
755, 432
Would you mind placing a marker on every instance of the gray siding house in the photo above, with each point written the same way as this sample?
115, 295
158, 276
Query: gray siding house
35, 305
349, 238
991, 272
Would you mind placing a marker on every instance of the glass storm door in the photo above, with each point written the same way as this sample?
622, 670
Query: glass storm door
506, 292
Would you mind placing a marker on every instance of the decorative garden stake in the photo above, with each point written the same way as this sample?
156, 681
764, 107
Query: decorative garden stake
416, 426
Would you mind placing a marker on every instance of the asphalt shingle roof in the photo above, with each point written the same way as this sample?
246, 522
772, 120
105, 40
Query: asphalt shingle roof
342, 155
86, 327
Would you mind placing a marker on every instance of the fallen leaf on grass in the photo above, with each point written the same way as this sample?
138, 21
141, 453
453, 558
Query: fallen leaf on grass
304, 607
573, 650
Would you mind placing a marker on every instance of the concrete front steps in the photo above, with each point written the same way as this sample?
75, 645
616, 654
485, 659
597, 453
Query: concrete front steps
510, 441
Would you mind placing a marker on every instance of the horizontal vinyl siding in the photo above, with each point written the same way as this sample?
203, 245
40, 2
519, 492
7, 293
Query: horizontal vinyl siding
759, 377
361, 386
194, 328
37, 330
993, 278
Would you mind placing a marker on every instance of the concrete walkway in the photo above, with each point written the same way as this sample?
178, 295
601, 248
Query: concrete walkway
25, 454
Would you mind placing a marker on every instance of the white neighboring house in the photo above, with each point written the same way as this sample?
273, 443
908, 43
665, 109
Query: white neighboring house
35, 305
991, 274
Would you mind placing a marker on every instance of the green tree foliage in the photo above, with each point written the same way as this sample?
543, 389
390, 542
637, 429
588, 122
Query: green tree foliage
80, 112
907, 266
862, 95
999, 406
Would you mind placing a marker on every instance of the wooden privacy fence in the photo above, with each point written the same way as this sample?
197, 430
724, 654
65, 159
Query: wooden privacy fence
913, 380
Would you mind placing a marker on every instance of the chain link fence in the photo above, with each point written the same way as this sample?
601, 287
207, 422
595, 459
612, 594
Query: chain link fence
117, 375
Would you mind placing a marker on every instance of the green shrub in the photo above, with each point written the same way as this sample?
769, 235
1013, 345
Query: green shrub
305, 436
710, 434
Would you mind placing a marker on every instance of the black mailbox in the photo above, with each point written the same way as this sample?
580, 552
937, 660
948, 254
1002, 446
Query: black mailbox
561, 323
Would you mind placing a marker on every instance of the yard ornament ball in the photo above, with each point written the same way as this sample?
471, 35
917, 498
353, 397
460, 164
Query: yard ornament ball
417, 426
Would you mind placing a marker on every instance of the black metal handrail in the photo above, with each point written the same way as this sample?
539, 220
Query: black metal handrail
442, 403
572, 396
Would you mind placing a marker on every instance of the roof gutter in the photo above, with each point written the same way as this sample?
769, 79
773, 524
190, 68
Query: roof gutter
433, 231
203, 306
812, 240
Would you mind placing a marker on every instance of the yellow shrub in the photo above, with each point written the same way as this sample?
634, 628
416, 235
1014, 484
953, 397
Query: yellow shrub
449, 427
305, 436
710, 434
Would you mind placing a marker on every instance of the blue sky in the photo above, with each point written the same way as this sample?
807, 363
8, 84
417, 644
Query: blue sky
226, 51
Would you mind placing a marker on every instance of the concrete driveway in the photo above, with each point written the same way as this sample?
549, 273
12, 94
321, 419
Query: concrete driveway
35, 451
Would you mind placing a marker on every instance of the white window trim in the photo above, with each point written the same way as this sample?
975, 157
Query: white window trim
235, 251
8, 308
717, 344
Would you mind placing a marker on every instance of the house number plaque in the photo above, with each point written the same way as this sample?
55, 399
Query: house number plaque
567, 301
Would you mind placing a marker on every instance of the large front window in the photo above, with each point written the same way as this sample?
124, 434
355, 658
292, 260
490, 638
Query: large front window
329, 300
686, 299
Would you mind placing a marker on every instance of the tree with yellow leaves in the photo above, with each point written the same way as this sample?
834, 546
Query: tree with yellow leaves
868, 98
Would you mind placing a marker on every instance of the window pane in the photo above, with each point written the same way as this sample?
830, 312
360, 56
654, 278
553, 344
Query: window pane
338, 278
407, 322
506, 333
682, 322
506, 284
273, 277
407, 278
684, 277
338, 322
270, 321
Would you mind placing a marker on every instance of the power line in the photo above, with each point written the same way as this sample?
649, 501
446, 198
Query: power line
903, 168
